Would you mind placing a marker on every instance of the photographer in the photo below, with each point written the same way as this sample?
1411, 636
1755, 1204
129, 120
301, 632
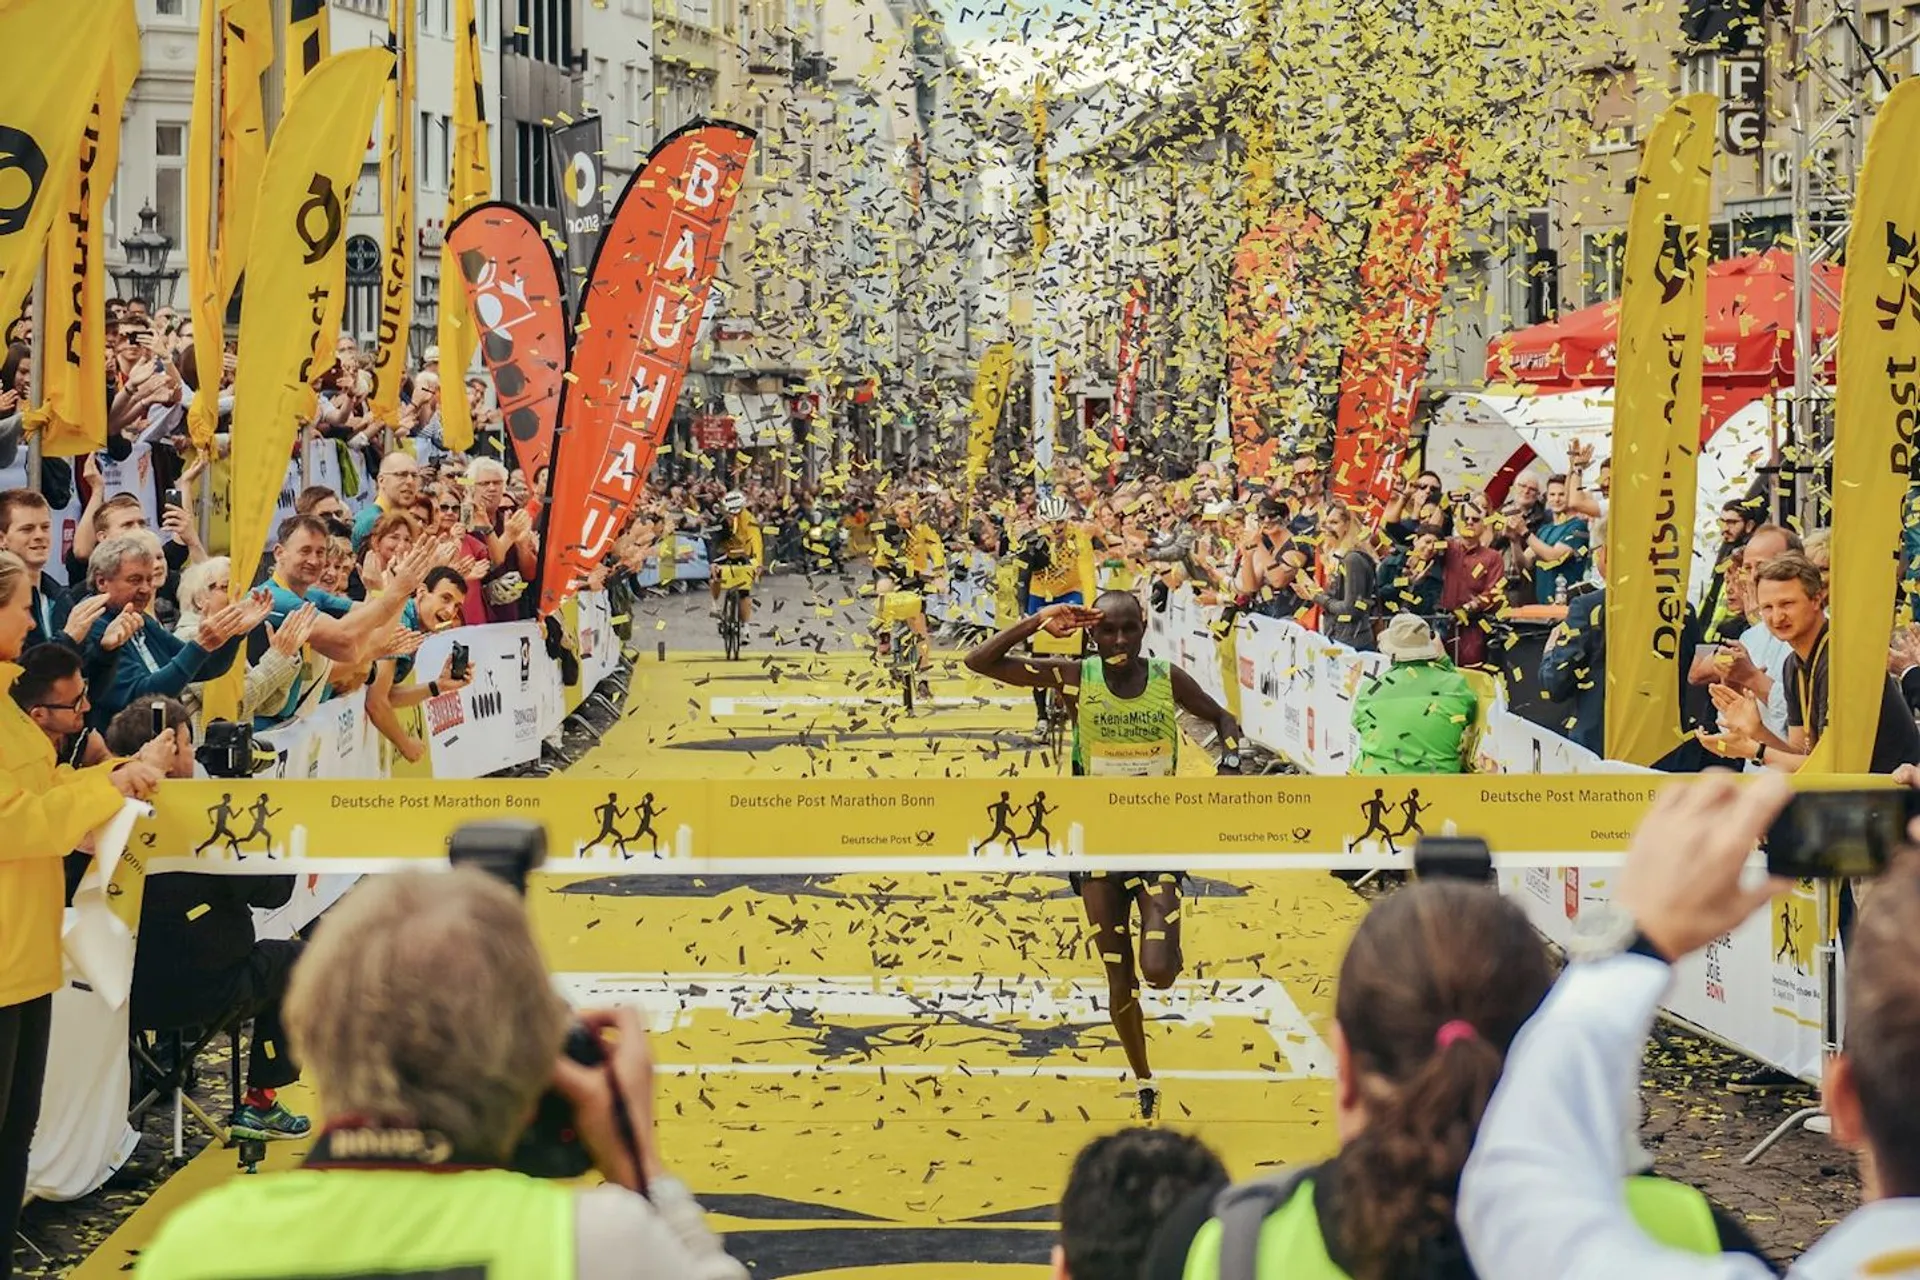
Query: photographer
429, 1028
198, 962
1536, 1198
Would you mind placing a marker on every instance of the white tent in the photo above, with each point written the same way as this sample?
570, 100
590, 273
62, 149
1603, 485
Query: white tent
1474, 435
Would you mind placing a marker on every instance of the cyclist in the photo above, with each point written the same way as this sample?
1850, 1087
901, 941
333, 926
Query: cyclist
1058, 557
1125, 725
737, 541
907, 557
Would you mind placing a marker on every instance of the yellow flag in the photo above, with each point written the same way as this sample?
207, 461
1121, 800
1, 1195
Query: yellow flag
472, 183
309, 39
989, 394
1656, 432
290, 314
396, 192
72, 417
1876, 411
59, 51
223, 174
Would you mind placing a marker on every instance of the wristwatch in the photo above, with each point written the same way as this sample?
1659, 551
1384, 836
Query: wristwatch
1759, 753
1605, 930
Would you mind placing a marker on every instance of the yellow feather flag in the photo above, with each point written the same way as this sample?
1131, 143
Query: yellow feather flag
989, 394
1876, 411
290, 314
72, 417
60, 51
309, 39
247, 31
1656, 432
396, 193
223, 182
472, 183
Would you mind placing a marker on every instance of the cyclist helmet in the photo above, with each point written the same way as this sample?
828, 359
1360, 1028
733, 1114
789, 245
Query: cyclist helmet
1052, 508
735, 502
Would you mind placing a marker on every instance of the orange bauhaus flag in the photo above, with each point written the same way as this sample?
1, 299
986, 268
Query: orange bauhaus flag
470, 183
1656, 432
58, 53
639, 316
1876, 414
72, 416
290, 313
1385, 362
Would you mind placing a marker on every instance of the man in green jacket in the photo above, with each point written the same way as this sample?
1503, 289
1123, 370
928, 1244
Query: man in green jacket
1419, 715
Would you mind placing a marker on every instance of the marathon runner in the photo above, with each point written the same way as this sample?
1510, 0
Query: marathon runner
1058, 558
1126, 725
738, 541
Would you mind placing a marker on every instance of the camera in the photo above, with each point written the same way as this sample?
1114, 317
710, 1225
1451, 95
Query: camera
226, 749
510, 852
1453, 858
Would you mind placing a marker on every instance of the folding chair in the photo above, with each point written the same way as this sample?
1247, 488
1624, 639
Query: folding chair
185, 1046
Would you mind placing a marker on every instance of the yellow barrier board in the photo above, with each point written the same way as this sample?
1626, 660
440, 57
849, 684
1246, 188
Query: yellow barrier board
1075, 823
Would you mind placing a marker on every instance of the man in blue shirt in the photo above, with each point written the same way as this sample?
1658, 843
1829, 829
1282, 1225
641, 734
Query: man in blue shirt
345, 631
396, 489
128, 572
1558, 549
436, 606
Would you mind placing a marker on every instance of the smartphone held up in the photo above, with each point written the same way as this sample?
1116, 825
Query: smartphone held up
1826, 835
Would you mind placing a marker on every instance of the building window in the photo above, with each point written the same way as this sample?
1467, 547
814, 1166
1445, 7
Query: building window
366, 192
483, 20
170, 179
170, 8
1605, 263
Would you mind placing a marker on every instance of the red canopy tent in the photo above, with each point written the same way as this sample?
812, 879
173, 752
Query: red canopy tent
1749, 339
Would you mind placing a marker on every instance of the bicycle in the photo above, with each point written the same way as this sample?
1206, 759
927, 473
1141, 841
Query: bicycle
735, 580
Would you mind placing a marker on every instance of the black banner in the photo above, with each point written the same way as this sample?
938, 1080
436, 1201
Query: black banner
575, 152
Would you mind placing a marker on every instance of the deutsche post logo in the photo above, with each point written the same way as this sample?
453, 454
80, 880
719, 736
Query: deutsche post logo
23, 167
580, 181
323, 203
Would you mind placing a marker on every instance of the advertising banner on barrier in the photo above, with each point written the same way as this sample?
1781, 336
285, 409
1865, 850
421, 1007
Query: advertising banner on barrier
500, 719
597, 644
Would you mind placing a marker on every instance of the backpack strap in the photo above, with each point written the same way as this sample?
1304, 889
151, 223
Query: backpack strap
1243, 1210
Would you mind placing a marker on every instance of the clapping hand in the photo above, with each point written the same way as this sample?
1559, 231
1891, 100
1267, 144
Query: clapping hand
123, 628
407, 573
519, 526
1739, 710
399, 642
291, 636
85, 614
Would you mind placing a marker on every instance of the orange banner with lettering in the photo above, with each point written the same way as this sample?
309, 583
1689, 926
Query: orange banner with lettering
639, 317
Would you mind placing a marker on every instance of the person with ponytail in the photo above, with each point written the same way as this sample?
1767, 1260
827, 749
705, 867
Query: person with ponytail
1437, 981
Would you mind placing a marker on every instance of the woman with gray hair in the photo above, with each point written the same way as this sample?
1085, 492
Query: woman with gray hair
429, 1028
206, 589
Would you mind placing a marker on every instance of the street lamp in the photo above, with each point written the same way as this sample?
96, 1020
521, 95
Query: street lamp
146, 275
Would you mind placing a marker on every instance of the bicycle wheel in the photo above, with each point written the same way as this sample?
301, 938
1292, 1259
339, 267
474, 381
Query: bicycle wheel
730, 625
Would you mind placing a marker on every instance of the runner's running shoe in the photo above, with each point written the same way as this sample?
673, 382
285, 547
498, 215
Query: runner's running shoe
269, 1123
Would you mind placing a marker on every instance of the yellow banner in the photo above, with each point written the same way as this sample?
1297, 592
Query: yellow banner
309, 40
223, 182
1876, 410
1656, 432
59, 52
291, 311
72, 417
472, 183
989, 394
1043, 821
396, 194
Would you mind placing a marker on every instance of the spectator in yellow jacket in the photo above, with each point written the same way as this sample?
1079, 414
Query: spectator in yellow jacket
45, 809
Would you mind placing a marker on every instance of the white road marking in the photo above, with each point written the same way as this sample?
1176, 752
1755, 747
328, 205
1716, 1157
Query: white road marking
723, 707
671, 999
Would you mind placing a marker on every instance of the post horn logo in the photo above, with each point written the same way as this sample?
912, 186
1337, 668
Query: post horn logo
323, 201
581, 180
19, 153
